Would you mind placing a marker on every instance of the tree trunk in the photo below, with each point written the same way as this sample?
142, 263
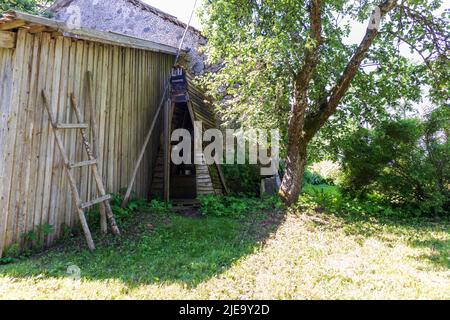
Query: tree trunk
302, 127
297, 144
295, 168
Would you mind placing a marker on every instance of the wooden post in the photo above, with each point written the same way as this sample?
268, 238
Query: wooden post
167, 112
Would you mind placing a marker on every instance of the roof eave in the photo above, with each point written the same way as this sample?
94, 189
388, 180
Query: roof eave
89, 34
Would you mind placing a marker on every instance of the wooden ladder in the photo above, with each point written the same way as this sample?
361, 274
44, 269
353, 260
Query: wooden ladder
103, 200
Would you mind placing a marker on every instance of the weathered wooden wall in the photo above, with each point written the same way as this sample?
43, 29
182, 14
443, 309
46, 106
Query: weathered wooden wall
127, 85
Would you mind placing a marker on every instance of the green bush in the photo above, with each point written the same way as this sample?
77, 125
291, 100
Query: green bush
243, 179
120, 214
332, 200
35, 238
159, 206
313, 178
234, 206
405, 161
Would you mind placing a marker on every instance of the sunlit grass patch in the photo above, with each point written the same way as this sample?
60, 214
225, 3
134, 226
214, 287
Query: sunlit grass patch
298, 255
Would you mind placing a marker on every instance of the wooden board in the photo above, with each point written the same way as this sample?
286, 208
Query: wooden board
127, 82
7, 39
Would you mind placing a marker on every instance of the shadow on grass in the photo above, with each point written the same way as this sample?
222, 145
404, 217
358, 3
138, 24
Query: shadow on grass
156, 248
417, 232
440, 251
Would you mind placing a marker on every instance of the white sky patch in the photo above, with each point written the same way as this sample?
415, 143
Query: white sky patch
179, 8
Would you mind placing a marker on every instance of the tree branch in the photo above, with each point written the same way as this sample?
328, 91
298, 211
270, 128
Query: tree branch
329, 104
312, 53
303, 78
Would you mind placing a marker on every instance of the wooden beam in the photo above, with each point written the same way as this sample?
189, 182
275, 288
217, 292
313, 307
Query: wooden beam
144, 147
95, 201
222, 178
37, 29
87, 34
12, 25
82, 164
7, 39
166, 144
72, 126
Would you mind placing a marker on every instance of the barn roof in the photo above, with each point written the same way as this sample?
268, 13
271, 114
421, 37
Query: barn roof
14, 19
59, 4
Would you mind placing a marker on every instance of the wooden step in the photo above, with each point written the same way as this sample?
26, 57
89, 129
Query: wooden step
95, 201
180, 203
72, 126
82, 164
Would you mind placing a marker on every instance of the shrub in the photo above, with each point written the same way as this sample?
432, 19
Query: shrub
159, 206
404, 161
313, 178
36, 237
120, 214
332, 200
243, 179
234, 206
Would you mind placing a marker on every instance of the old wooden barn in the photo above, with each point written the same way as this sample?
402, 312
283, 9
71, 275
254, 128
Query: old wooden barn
123, 79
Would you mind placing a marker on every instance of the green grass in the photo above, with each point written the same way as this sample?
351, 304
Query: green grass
301, 254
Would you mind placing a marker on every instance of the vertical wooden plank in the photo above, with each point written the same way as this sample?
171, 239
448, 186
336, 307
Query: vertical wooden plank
123, 127
136, 119
126, 121
9, 79
134, 123
108, 110
18, 178
30, 141
59, 182
103, 91
118, 120
140, 123
78, 92
92, 191
64, 198
152, 112
147, 123
46, 63
166, 152
52, 87
56, 166
112, 119
70, 142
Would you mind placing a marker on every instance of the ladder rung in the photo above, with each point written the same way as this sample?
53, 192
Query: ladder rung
95, 201
82, 164
72, 126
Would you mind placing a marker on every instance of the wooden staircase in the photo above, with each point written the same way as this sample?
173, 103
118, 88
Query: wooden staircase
157, 189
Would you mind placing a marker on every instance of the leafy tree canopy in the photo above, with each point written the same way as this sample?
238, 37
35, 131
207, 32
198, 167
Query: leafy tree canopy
290, 64
30, 6
261, 45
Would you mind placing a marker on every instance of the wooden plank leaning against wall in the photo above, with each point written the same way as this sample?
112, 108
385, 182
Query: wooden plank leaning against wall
33, 188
